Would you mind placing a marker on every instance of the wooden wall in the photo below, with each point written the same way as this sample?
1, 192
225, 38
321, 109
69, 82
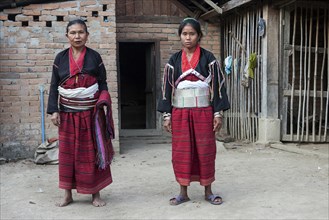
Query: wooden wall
148, 11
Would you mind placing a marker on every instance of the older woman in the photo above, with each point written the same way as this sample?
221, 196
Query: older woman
78, 81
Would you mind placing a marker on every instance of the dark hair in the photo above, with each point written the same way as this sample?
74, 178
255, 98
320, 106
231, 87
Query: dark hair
76, 21
194, 23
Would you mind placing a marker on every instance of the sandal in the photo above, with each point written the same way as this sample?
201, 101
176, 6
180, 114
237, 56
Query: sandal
213, 199
177, 200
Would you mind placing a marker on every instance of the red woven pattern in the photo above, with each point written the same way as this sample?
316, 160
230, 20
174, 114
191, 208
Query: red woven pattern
77, 156
193, 145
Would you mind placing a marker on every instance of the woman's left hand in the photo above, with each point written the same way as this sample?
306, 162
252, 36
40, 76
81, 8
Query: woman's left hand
218, 121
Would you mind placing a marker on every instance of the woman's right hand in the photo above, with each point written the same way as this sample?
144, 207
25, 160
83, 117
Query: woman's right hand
167, 125
55, 118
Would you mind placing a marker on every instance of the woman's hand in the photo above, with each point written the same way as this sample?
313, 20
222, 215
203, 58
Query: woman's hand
55, 118
167, 125
218, 122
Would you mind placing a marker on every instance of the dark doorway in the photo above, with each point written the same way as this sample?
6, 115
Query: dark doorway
137, 85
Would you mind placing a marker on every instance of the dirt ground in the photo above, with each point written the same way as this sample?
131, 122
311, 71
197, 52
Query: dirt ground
255, 181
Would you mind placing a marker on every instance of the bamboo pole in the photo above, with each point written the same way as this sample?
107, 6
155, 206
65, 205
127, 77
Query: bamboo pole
258, 75
293, 75
232, 91
256, 112
327, 103
240, 88
244, 90
309, 74
238, 83
233, 83
252, 38
228, 86
241, 95
236, 49
228, 40
322, 70
249, 88
229, 79
315, 73
300, 73
305, 77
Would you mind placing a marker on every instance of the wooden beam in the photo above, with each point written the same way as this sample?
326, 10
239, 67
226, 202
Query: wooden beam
209, 14
183, 8
214, 6
303, 49
234, 4
287, 93
149, 19
199, 6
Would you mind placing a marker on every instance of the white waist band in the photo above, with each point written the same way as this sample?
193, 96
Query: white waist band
80, 92
191, 98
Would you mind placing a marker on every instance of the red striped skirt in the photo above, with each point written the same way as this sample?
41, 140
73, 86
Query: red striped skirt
77, 155
193, 145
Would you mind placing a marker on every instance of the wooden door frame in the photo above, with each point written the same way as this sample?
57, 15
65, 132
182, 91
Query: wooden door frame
157, 75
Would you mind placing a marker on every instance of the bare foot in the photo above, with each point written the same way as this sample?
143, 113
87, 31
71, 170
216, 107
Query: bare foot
97, 201
67, 199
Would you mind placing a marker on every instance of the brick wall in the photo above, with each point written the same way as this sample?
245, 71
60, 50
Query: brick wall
168, 36
30, 38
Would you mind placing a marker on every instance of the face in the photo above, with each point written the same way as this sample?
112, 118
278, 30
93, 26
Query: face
189, 37
77, 35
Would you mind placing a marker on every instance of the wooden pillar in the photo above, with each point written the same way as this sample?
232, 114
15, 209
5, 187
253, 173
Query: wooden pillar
269, 123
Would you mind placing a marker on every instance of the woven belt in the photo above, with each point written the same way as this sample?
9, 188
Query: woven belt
191, 98
77, 104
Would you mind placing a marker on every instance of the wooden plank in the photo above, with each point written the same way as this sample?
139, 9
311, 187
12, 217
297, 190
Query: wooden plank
147, 7
121, 8
164, 7
303, 4
139, 7
303, 49
149, 19
199, 6
233, 4
130, 7
296, 93
156, 7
